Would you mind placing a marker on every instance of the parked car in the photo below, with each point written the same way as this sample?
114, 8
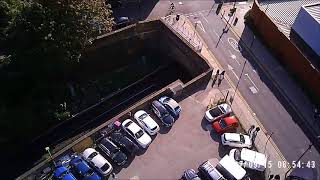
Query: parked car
146, 122
236, 140
249, 159
124, 143
218, 112
112, 151
230, 169
171, 105
208, 171
63, 173
162, 113
135, 131
98, 161
122, 22
190, 174
225, 124
83, 169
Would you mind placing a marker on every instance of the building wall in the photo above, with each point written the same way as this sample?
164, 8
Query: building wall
308, 29
287, 53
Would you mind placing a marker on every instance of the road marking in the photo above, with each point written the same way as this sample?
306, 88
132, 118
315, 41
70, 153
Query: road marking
216, 33
234, 57
204, 18
234, 44
242, 3
234, 73
254, 70
251, 81
253, 90
200, 25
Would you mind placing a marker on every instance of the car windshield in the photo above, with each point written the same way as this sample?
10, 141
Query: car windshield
110, 146
223, 123
222, 110
89, 173
242, 138
92, 155
139, 134
128, 124
105, 167
177, 109
143, 116
237, 155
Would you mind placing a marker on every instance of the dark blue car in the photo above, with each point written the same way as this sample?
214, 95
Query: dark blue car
63, 173
162, 113
83, 169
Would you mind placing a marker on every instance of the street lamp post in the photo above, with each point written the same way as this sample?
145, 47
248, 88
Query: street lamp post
235, 91
48, 150
309, 147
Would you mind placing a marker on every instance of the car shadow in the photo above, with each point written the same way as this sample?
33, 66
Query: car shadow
141, 151
223, 150
205, 124
214, 136
129, 161
164, 129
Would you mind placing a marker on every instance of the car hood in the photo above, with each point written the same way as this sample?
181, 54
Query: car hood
120, 157
208, 115
169, 120
145, 139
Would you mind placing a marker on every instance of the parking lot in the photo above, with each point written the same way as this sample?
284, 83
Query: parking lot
186, 145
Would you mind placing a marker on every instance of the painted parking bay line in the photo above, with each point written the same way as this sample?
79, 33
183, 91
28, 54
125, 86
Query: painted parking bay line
234, 73
199, 24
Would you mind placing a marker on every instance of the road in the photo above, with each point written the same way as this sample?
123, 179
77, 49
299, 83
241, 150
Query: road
254, 85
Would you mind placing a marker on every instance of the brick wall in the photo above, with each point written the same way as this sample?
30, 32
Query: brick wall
287, 53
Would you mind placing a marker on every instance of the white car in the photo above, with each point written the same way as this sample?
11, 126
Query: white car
97, 161
236, 140
146, 122
218, 112
249, 159
136, 132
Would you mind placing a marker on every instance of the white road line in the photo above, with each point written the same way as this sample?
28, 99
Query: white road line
199, 24
234, 57
204, 18
251, 81
216, 33
234, 73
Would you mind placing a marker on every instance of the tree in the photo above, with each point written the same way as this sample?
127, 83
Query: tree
48, 36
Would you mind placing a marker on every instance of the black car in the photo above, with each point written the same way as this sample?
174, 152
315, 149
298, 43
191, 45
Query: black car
124, 143
190, 174
122, 22
113, 151
162, 113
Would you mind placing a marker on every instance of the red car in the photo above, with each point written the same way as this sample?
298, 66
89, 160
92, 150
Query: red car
225, 124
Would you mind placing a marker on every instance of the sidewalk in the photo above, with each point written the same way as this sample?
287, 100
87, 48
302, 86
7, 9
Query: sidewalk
263, 142
290, 91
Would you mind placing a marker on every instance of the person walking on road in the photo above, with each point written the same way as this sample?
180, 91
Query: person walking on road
221, 77
215, 77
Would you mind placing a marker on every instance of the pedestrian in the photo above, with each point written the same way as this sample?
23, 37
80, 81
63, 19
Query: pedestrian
129, 113
254, 134
219, 82
271, 176
222, 74
215, 77
250, 130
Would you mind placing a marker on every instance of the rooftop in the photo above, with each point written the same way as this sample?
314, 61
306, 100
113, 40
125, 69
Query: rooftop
284, 12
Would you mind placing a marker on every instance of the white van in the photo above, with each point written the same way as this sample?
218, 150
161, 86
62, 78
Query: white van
230, 169
249, 159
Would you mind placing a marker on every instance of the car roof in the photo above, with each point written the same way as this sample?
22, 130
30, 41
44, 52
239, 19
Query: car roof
106, 142
88, 151
232, 136
134, 127
232, 167
159, 107
231, 119
253, 156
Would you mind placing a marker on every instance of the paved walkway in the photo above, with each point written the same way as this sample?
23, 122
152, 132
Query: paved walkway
263, 142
